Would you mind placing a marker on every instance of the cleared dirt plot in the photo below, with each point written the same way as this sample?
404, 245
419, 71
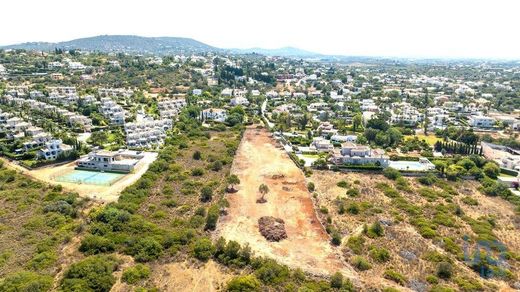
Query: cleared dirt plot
307, 246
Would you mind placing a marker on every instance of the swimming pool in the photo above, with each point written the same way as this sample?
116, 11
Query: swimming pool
90, 177
411, 165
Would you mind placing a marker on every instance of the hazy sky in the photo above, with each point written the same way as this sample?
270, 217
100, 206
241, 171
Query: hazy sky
420, 28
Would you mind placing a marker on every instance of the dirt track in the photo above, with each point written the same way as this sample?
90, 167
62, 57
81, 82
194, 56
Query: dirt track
307, 246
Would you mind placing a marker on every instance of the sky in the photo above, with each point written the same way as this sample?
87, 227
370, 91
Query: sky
387, 28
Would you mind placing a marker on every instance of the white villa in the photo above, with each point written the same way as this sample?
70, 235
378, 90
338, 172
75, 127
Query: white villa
214, 114
320, 145
239, 100
351, 153
116, 161
479, 121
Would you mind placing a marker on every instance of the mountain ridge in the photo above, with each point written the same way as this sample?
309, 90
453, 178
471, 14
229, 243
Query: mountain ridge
154, 45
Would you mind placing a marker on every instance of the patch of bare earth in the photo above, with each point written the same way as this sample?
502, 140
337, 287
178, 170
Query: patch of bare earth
185, 277
307, 246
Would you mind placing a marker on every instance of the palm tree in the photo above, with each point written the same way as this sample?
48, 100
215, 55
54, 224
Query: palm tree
263, 189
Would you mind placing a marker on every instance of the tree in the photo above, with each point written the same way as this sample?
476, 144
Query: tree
206, 194
444, 270
491, 169
357, 120
244, 284
203, 249
263, 189
197, 155
232, 180
336, 281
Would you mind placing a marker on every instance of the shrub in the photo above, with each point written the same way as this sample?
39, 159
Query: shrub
444, 270
134, 274
353, 192
212, 217
26, 281
93, 244
90, 274
355, 243
432, 279
469, 201
206, 194
146, 249
379, 254
361, 263
203, 249
491, 169
391, 173
375, 230
197, 172
427, 180
336, 281
343, 184
336, 238
270, 272
197, 155
216, 166
467, 284
311, 187
243, 284
353, 208
397, 277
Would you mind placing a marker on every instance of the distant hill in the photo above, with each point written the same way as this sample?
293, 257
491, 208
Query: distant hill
123, 43
282, 52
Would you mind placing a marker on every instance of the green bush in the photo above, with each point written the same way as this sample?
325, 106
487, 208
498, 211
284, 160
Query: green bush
203, 249
391, 173
432, 279
197, 172
356, 244
212, 217
444, 270
311, 187
270, 272
375, 230
26, 281
93, 244
146, 249
379, 254
491, 169
361, 264
353, 192
93, 273
134, 274
343, 184
206, 194
395, 276
243, 284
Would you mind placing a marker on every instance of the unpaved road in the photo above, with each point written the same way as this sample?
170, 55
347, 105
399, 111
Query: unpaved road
307, 246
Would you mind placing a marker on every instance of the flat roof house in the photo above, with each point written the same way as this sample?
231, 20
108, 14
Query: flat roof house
116, 161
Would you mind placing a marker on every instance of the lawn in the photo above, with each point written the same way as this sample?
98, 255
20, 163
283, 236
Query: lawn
430, 139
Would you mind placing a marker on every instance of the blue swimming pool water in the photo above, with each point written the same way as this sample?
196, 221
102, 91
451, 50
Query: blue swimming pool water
408, 165
90, 177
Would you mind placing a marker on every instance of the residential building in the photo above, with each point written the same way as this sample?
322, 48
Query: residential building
53, 149
116, 161
351, 153
214, 114
480, 121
